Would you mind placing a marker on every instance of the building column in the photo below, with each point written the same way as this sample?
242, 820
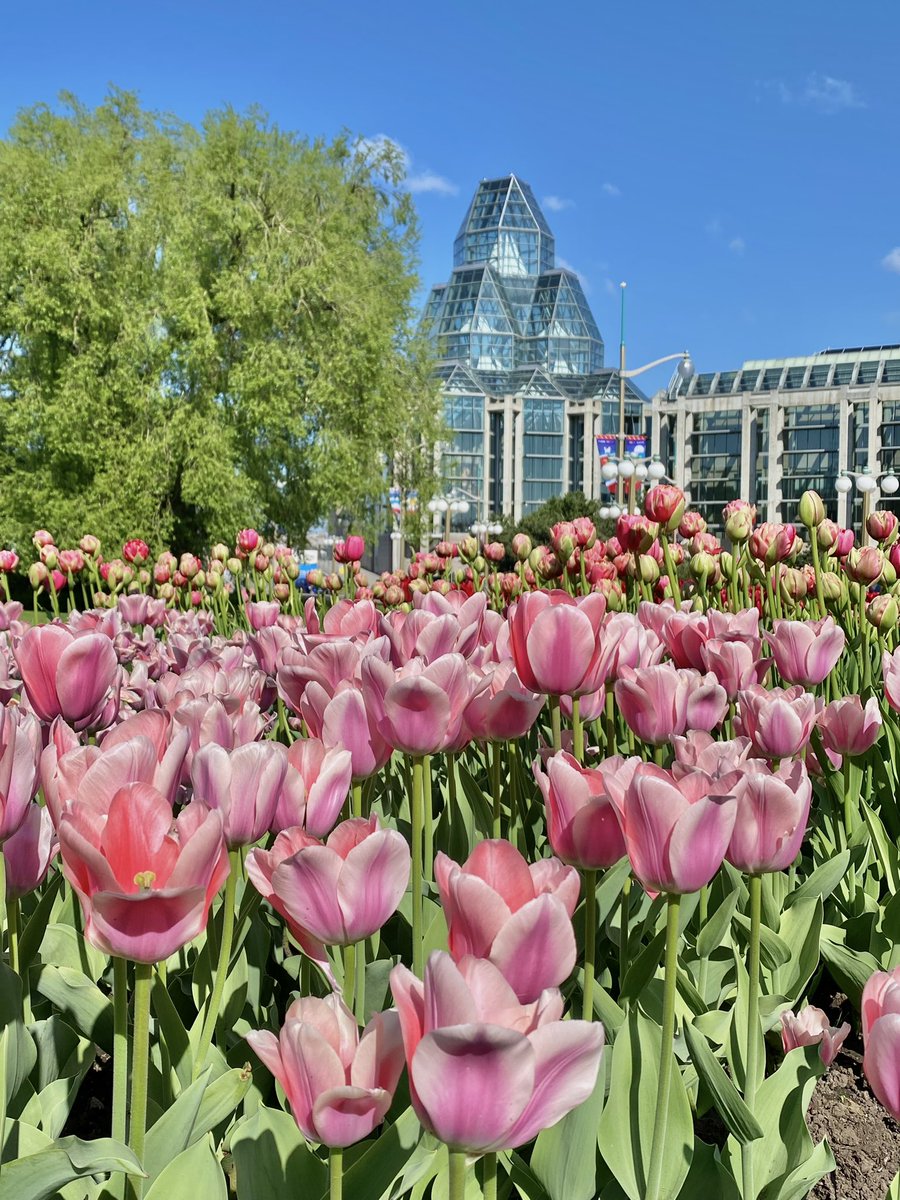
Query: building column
508, 452
843, 463
590, 449
776, 433
519, 459
683, 420
747, 448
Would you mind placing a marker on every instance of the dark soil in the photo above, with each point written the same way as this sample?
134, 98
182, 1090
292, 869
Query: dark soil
92, 1111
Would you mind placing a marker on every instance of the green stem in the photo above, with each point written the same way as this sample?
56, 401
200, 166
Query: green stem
416, 875
555, 723
514, 814
609, 716
489, 1177
335, 1174
357, 799
12, 927
624, 925
577, 730
820, 595
140, 1062
350, 975
849, 806
120, 1050
751, 1055
770, 597
359, 1007
494, 751
429, 818
666, 1055
590, 943
670, 568
704, 914
456, 1175
214, 1002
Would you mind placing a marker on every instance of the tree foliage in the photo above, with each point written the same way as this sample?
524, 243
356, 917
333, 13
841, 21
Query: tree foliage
538, 524
201, 328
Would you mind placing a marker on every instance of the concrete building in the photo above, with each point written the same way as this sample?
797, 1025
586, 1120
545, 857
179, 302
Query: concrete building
775, 427
520, 359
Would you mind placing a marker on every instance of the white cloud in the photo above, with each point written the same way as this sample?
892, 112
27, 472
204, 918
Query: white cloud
420, 181
824, 93
567, 266
428, 181
737, 245
829, 95
891, 261
610, 189
557, 203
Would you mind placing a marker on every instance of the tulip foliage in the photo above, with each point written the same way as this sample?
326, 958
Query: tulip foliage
456, 885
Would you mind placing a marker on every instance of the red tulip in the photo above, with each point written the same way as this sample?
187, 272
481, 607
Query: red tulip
485, 1072
518, 916
339, 1085
136, 552
145, 882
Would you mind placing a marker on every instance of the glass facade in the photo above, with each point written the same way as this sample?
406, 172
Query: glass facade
715, 463
809, 456
543, 476
462, 462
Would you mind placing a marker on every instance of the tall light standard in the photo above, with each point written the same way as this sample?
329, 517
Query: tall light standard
448, 506
685, 371
866, 484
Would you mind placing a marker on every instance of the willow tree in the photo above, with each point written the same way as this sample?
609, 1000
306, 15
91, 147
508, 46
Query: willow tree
200, 327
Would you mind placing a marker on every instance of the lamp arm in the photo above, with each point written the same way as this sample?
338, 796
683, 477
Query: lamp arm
656, 363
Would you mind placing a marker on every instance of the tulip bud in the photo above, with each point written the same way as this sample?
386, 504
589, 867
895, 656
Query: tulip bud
235, 566
468, 548
219, 553
282, 591
479, 564
89, 545
393, 596
647, 569
834, 586
726, 565
882, 526
888, 574
521, 546
739, 526
692, 523
664, 504
261, 564
268, 550
248, 540
49, 556
38, 575
495, 552
865, 566
585, 532
792, 584
42, 538
136, 551
333, 582
811, 510
702, 565
883, 612
199, 579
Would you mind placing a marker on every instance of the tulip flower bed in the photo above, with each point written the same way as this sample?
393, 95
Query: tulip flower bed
464, 884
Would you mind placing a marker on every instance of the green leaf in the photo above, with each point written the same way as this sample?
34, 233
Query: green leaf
273, 1161
884, 848
19, 1053
643, 968
63, 946
196, 1172
713, 932
610, 888
38, 1176
798, 1183
196, 1111
737, 1117
174, 1035
822, 881
850, 969
80, 1000
37, 922
708, 1178
801, 927
565, 1156
773, 953
626, 1126
381, 1162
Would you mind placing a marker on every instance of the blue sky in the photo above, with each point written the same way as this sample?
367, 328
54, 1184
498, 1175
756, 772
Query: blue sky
736, 164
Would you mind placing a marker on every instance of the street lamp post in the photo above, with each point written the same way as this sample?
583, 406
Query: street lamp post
448, 506
630, 468
685, 370
867, 483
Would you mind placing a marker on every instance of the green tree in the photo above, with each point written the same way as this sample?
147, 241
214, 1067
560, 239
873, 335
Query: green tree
201, 328
567, 507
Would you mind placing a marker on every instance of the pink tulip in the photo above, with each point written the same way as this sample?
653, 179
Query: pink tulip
700, 749
806, 651
315, 787
261, 866
736, 665
243, 784
810, 1027
848, 727
345, 890
778, 721
659, 702
67, 676
339, 1085
890, 671
419, 709
772, 812
555, 641
582, 824
487, 1073
20, 754
350, 550
343, 722
771, 543
677, 830
28, 853
881, 1037
263, 614
518, 916
145, 882
505, 709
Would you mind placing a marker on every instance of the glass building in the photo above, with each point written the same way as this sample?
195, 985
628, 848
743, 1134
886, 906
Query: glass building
777, 427
520, 360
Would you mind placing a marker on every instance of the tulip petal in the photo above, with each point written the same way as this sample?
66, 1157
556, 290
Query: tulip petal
416, 715
473, 1083
374, 877
85, 673
699, 841
535, 949
881, 1062
504, 869
475, 915
344, 1115
567, 1060
561, 644
307, 886
147, 927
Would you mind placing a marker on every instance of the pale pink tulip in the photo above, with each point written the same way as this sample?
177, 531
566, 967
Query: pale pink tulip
243, 784
890, 671
806, 651
555, 641
145, 882
419, 709
772, 813
345, 890
505, 709
677, 830
487, 1073
518, 916
881, 1037
582, 825
848, 727
810, 1027
66, 675
261, 866
662, 701
339, 1085
315, 787
779, 721
700, 749
735, 664
20, 755
343, 722
28, 853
